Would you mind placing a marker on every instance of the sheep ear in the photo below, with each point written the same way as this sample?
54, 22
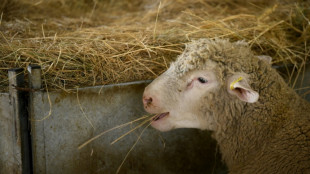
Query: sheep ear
265, 58
238, 86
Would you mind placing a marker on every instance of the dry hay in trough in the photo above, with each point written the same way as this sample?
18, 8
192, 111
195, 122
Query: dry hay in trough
91, 42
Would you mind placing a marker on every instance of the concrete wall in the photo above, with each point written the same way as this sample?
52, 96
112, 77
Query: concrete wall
56, 139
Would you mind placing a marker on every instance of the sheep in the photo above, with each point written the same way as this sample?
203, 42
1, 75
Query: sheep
260, 124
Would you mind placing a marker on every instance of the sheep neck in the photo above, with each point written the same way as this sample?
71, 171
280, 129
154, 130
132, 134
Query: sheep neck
245, 128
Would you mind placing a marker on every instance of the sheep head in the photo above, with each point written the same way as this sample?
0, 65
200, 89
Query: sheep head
184, 96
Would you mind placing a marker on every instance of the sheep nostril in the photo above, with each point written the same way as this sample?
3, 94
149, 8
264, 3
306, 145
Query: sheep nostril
147, 101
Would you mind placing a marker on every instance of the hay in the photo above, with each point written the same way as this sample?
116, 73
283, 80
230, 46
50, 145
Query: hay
118, 127
89, 43
146, 121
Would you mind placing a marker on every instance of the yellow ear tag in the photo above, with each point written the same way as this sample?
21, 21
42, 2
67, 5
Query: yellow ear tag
234, 82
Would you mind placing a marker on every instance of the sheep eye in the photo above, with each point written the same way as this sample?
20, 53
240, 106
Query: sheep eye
202, 80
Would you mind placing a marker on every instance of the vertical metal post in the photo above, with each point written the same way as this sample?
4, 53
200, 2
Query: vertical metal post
20, 133
37, 127
34, 72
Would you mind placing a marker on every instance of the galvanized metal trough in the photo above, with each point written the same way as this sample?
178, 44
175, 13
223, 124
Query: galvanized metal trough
61, 121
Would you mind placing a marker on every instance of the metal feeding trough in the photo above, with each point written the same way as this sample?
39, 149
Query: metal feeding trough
61, 122
78, 117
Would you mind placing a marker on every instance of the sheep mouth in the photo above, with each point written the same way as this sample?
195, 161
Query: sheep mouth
160, 116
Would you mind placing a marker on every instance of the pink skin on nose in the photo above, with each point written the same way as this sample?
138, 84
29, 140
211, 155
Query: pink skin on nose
147, 101
150, 103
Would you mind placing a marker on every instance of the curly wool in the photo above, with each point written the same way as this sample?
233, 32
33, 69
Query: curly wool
269, 136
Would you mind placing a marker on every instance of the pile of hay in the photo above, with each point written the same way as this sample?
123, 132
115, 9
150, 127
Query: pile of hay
89, 42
